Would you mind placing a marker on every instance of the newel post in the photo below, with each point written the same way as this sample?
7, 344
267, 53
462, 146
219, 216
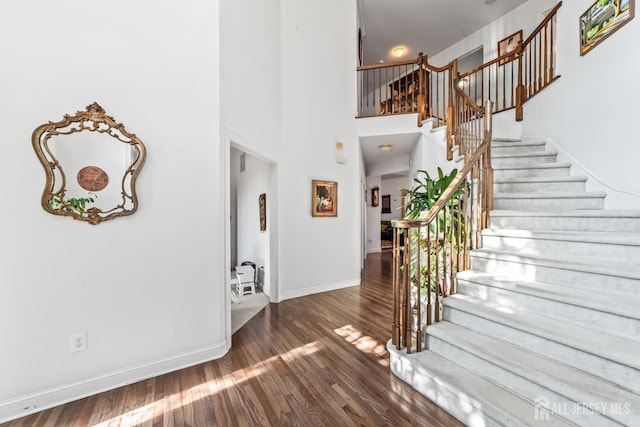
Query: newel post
422, 114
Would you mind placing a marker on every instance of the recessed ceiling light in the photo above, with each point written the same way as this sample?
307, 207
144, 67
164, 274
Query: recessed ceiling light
381, 61
385, 147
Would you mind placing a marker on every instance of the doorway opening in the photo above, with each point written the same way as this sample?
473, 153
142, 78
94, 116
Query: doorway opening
252, 223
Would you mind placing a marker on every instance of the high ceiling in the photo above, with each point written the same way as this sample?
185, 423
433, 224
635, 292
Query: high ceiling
427, 26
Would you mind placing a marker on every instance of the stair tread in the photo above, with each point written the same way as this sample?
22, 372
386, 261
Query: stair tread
572, 383
586, 213
605, 237
472, 390
516, 143
540, 179
550, 195
534, 166
611, 347
525, 154
587, 264
621, 304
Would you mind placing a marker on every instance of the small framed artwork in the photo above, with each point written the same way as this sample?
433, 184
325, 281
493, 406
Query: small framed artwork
360, 51
386, 203
262, 203
602, 19
324, 198
375, 195
509, 45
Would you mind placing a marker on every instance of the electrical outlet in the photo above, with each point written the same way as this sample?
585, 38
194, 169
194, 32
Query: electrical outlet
79, 342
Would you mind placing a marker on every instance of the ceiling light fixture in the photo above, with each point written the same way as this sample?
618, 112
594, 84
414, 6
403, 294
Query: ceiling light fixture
398, 51
385, 147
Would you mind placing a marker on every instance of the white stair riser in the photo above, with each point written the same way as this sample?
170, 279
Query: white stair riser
523, 160
565, 223
595, 319
501, 201
517, 270
617, 373
539, 187
510, 380
430, 382
502, 173
515, 149
541, 246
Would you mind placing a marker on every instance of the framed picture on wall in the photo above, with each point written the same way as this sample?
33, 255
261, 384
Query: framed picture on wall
375, 195
603, 18
507, 45
386, 203
324, 198
262, 203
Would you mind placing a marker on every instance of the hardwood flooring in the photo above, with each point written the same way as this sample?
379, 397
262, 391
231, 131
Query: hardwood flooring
319, 360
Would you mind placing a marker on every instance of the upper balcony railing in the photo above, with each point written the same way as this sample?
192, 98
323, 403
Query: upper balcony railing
415, 86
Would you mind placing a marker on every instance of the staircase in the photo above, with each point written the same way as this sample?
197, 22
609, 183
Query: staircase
545, 327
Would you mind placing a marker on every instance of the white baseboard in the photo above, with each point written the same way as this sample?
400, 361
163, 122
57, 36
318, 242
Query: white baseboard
45, 399
315, 289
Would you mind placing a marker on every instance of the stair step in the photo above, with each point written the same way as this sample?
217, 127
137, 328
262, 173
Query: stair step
539, 169
503, 148
605, 356
473, 400
539, 184
608, 312
532, 376
498, 139
528, 158
570, 220
583, 273
598, 244
549, 201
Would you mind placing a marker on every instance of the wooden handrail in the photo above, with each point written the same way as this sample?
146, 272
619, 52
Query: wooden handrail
455, 184
389, 65
542, 24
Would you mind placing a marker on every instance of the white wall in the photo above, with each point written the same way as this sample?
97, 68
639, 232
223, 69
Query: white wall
147, 288
392, 187
590, 112
373, 216
250, 73
318, 60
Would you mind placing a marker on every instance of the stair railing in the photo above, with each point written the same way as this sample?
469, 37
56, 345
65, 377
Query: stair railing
428, 253
390, 89
408, 87
513, 78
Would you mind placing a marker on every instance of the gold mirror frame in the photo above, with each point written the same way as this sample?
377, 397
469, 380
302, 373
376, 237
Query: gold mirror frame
88, 127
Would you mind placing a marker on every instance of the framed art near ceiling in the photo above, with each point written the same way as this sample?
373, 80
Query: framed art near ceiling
324, 198
508, 45
386, 203
602, 19
360, 52
262, 203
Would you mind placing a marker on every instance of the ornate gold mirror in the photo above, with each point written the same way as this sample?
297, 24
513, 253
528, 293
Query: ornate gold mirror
91, 164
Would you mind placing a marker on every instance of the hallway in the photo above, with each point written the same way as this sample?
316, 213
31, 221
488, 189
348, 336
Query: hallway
316, 360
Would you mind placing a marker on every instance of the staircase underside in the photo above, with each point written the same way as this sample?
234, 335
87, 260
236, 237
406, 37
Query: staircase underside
545, 327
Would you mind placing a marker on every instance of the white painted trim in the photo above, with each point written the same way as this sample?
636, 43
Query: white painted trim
578, 168
315, 289
49, 398
374, 250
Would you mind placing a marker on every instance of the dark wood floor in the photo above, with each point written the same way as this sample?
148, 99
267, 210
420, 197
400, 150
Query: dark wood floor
319, 360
